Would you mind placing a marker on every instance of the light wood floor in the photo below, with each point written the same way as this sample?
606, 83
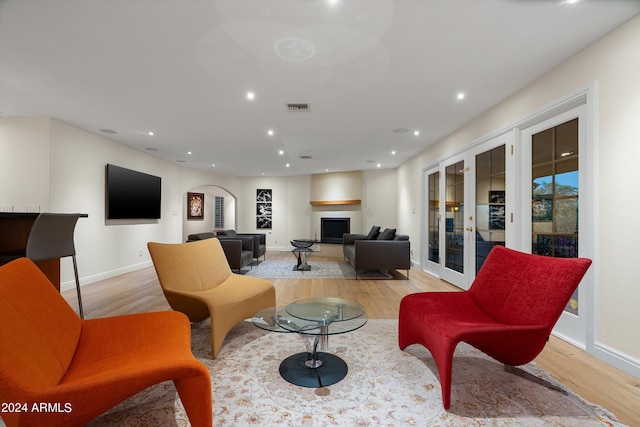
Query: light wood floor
594, 380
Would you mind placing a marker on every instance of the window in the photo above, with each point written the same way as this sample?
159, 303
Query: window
219, 212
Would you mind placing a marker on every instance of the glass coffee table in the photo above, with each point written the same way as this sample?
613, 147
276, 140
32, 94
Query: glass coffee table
314, 320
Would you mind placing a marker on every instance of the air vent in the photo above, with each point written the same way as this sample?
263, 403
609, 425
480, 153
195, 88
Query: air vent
306, 157
298, 107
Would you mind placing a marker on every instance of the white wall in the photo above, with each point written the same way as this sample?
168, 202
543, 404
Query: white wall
380, 201
614, 64
25, 162
290, 208
62, 169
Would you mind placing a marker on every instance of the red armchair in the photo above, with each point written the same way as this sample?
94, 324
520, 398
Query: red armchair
508, 313
77, 368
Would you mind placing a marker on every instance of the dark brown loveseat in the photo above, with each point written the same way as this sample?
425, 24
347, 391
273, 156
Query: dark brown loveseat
238, 250
259, 241
377, 251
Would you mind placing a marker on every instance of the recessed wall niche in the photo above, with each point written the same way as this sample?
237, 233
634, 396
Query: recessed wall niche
336, 195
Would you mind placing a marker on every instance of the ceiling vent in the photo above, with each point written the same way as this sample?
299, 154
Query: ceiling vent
298, 107
305, 157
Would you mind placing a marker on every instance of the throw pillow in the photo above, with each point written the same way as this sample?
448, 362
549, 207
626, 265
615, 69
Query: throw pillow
387, 234
373, 233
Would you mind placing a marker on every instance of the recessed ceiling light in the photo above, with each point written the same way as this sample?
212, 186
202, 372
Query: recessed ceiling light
189, 153
287, 165
571, 1
416, 132
270, 132
393, 152
281, 152
378, 165
213, 165
326, 170
150, 133
460, 96
251, 96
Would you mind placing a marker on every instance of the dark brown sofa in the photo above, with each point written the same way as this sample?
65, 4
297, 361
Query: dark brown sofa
238, 250
377, 251
259, 242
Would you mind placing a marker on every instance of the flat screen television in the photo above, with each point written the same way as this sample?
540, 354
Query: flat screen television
131, 194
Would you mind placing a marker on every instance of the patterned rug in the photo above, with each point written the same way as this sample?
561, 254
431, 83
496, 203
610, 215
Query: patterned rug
384, 387
319, 269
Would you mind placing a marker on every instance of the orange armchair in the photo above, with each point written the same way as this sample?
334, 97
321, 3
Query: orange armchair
59, 370
196, 279
507, 313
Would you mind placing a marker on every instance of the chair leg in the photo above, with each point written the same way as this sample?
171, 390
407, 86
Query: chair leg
75, 272
526, 375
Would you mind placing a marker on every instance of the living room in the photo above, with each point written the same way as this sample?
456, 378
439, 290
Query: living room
54, 166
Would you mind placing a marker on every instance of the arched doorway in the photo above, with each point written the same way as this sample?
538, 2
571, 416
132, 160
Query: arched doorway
219, 211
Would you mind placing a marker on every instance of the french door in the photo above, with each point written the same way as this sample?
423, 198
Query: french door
467, 210
555, 199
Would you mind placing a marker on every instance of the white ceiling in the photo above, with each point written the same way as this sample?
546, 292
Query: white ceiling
181, 68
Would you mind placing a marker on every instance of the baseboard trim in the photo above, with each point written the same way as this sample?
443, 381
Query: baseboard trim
617, 359
71, 284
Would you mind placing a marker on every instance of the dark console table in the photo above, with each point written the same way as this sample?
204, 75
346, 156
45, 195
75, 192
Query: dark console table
14, 232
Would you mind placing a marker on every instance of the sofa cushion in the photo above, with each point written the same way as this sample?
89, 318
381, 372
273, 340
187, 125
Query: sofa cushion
200, 236
373, 233
387, 234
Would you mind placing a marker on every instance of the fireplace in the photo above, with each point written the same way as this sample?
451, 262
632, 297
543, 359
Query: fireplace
332, 229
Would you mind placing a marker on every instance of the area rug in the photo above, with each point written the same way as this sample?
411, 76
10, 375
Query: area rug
319, 269
384, 387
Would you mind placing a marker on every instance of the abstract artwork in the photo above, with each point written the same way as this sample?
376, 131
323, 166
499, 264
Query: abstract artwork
263, 208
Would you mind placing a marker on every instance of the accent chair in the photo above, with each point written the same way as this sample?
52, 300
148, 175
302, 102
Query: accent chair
508, 312
196, 279
81, 368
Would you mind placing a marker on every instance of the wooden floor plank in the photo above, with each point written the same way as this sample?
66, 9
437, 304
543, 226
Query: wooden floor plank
596, 381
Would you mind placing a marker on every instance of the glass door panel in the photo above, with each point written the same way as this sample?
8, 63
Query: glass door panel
554, 204
454, 217
433, 225
491, 202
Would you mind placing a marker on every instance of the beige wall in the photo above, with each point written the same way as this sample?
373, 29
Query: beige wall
613, 63
336, 186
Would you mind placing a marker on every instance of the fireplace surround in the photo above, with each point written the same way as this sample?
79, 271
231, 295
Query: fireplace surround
332, 229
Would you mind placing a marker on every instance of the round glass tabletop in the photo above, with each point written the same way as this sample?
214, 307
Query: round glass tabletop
313, 316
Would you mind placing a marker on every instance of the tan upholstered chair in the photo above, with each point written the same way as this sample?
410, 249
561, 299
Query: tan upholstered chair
197, 280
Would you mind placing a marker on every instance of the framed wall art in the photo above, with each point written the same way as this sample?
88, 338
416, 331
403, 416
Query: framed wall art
263, 208
195, 205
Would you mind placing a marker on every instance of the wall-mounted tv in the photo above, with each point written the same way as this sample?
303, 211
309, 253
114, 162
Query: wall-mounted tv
131, 194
